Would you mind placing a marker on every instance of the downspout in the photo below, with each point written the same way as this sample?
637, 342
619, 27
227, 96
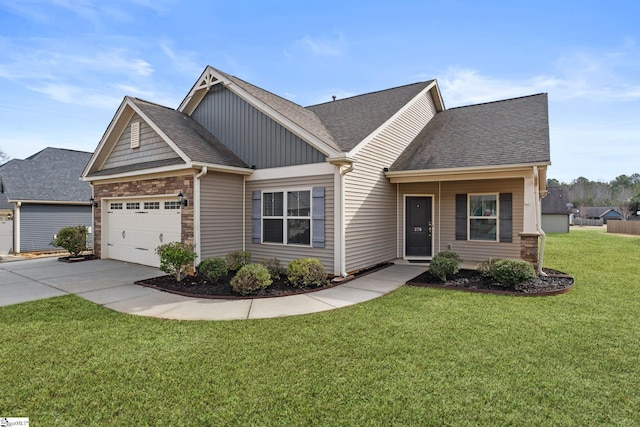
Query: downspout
343, 233
16, 227
196, 211
244, 213
543, 236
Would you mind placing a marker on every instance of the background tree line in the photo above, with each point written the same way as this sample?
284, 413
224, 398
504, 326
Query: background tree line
623, 193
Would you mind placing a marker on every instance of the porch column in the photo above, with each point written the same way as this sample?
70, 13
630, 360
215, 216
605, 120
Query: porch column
529, 235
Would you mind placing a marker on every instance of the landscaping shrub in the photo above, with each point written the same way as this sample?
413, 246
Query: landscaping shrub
485, 266
72, 239
273, 265
213, 268
510, 272
305, 272
238, 259
250, 279
176, 258
450, 255
445, 264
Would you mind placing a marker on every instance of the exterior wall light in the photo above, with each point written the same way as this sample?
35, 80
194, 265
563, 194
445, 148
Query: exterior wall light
92, 202
182, 200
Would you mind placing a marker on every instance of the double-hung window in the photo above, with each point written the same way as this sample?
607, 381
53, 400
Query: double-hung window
483, 217
286, 217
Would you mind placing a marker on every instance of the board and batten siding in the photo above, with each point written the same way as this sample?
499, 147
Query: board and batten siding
250, 134
220, 214
152, 147
286, 253
370, 200
40, 222
478, 251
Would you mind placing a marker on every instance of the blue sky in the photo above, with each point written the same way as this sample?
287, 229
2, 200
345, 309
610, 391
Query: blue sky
65, 65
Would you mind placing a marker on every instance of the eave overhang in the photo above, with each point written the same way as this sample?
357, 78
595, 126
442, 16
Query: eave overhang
466, 174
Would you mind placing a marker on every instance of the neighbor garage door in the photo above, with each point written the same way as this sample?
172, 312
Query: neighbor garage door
135, 228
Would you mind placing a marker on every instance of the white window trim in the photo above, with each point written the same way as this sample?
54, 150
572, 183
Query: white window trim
285, 217
496, 217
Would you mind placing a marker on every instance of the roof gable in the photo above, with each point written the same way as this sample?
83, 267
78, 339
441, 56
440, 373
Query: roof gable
290, 115
351, 120
52, 174
509, 132
179, 140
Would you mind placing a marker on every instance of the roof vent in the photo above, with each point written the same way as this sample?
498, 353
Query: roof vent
135, 134
334, 97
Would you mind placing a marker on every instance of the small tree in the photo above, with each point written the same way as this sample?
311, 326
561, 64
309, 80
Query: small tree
176, 258
72, 239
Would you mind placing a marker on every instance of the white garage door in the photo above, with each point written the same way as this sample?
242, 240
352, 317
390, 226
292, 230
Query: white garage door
135, 228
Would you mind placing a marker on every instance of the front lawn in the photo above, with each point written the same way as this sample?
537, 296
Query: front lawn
417, 356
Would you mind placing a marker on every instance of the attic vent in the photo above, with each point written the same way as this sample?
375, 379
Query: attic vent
135, 134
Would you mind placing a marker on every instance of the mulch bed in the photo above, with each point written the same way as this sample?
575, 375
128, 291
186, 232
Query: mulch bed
78, 258
473, 281
201, 287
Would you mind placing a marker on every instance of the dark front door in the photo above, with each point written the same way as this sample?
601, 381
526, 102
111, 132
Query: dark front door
419, 227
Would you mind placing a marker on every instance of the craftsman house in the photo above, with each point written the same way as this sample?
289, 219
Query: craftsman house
353, 182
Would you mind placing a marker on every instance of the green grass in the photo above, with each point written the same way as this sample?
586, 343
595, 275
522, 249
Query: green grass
415, 357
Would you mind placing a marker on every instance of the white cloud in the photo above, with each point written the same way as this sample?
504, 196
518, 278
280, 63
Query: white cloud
322, 46
79, 95
597, 76
183, 61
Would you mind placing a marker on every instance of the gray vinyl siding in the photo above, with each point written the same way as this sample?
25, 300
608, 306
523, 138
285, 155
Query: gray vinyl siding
286, 253
220, 214
555, 223
370, 200
152, 147
39, 223
255, 138
477, 251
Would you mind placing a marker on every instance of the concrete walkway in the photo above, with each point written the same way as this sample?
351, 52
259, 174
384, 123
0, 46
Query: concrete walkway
110, 284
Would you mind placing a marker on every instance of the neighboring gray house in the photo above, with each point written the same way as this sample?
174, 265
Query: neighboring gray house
602, 213
39, 195
352, 182
556, 209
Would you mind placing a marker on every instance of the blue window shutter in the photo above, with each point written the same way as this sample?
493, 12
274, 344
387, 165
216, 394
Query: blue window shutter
317, 216
256, 216
506, 218
461, 217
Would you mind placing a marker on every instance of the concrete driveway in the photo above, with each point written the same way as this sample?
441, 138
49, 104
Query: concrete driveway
110, 284
30, 280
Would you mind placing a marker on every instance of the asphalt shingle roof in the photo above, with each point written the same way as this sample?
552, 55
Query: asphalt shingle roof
190, 136
52, 174
351, 120
513, 131
556, 201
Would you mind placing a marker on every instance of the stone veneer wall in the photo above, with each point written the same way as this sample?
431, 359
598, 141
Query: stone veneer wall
146, 187
529, 248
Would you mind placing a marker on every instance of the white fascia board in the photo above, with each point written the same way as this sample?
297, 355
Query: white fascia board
464, 174
354, 151
140, 172
314, 169
105, 136
222, 168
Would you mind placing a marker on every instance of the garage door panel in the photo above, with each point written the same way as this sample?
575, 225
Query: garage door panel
134, 234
